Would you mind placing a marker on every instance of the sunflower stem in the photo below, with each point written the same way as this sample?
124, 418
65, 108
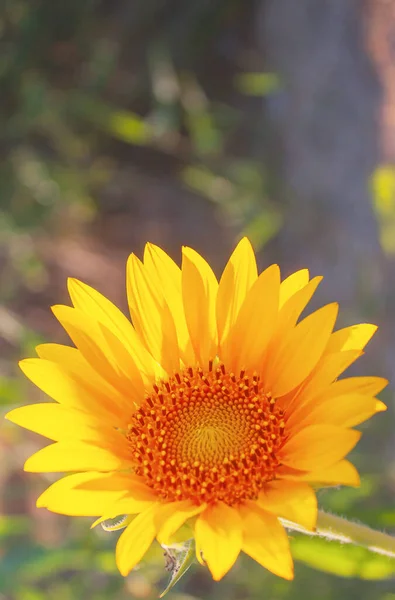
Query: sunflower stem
337, 528
333, 527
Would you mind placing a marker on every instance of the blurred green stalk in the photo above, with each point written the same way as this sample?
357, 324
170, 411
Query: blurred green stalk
333, 527
349, 532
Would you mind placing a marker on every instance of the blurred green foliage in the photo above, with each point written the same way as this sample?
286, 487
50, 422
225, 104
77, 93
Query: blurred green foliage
75, 101
383, 187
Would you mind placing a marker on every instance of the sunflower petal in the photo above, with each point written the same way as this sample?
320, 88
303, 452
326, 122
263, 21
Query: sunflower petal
165, 278
152, 317
237, 279
256, 321
370, 386
65, 497
58, 422
346, 410
351, 338
102, 349
88, 300
380, 406
318, 446
175, 516
65, 383
91, 494
265, 540
294, 501
341, 473
199, 292
318, 382
132, 503
218, 533
292, 284
73, 456
294, 306
136, 539
301, 351
71, 362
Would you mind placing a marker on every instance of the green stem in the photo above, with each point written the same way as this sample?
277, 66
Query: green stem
339, 529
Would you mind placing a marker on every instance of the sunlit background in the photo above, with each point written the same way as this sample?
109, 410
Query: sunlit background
193, 122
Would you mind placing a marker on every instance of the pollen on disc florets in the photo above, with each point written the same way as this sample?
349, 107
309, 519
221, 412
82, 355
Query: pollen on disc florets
207, 436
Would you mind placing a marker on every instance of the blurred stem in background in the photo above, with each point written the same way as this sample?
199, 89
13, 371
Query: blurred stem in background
335, 528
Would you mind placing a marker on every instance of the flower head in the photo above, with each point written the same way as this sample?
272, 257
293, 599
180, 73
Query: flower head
214, 413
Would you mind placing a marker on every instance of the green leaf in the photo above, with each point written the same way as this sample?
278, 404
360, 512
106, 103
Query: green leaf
118, 523
258, 84
123, 125
14, 525
129, 127
344, 560
10, 393
179, 558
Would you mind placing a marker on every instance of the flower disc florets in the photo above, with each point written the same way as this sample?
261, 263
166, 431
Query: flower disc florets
207, 436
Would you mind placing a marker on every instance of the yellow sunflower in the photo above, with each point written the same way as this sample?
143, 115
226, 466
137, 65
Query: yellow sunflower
215, 411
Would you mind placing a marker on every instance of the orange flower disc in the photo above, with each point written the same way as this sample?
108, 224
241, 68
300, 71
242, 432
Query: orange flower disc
207, 436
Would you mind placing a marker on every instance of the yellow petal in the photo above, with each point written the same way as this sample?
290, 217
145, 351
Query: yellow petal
294, 306
71, 362
127, 374
218, 534
90, 301
136, 539
294, 501
237, 279
73, 456
328, 369
152, 317
174, 517
380, 406
287, 319
124, 482
256, 321
135, 496
265, 540
199, 292
67, 385
319, 382
351, 338
58, 422
292, 284
341, 473
370, 386
347, 410
318, 446
103, 351
84, 331
134, 501
131, 503
67, 498
165, 277
301, 351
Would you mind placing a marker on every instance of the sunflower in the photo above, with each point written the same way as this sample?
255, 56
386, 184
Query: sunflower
214, 414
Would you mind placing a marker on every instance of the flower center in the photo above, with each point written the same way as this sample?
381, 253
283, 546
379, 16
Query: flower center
207, 436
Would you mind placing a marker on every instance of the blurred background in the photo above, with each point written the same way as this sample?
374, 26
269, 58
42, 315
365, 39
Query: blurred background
193, 123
